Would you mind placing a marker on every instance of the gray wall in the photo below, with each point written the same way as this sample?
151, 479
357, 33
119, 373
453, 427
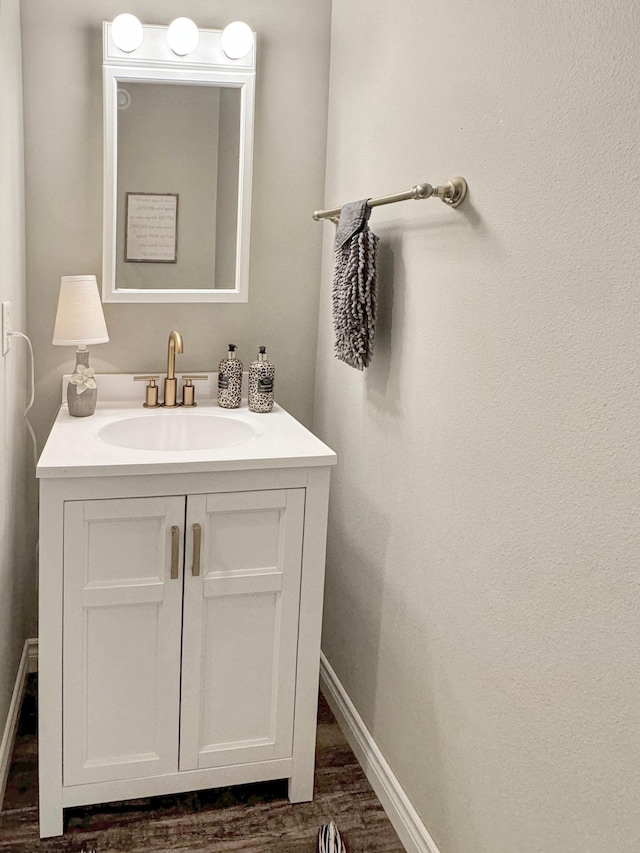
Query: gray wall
482, 593
17, 505
63, 148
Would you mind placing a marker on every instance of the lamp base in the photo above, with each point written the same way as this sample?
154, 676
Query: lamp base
81, 405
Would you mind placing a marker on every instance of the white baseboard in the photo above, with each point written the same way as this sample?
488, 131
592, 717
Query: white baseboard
28, 663
412, 832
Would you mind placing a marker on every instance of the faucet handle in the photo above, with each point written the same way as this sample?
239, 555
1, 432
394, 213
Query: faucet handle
188, 391
151, 396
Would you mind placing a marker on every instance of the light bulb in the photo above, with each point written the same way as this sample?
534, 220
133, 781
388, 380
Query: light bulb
126, 32
237, 40
183, 36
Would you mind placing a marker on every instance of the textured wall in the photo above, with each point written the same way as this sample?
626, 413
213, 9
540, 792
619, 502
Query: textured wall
482, 595
63, 150
17, 508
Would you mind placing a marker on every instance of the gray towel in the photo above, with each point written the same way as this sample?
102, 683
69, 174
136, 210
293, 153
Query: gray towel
354, 286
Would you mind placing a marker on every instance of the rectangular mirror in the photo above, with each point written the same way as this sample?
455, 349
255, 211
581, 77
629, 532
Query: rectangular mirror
177, 172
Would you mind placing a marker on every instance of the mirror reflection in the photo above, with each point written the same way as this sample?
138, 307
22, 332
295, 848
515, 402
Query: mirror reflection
178, 154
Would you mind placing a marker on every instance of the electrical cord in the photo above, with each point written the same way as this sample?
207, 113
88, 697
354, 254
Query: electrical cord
33, 393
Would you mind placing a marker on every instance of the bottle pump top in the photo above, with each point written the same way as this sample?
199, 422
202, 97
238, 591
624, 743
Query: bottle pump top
232, 351
262, 353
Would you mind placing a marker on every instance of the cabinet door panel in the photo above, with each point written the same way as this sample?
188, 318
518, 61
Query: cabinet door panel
241, 628
121, 651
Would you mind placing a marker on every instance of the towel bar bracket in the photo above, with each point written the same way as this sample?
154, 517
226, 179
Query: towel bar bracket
456, 195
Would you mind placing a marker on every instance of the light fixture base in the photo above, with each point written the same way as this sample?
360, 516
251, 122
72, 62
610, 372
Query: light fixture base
153, 52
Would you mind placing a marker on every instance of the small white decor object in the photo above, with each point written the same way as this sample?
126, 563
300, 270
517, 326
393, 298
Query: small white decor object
83, 378
79, 322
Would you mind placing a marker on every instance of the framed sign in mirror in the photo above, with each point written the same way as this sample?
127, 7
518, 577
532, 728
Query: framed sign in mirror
178, 140
151, 228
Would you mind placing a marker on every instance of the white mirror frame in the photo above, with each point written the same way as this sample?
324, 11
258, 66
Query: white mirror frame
207, 65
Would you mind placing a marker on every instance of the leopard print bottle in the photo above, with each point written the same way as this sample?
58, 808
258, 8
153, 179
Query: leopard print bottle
230, 380
261, 377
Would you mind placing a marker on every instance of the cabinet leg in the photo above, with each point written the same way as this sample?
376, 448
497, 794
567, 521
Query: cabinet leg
51, 821
301, 787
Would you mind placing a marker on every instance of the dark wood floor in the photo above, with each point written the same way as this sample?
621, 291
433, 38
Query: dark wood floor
245, 819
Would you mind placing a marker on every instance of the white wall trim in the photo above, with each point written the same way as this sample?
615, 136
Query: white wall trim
28, 663
412, 832
32, 655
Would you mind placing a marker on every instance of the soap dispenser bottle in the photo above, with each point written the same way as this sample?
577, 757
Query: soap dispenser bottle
230, 380
261, 377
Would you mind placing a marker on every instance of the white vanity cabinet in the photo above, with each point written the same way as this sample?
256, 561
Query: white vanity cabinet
180, 617
179, 658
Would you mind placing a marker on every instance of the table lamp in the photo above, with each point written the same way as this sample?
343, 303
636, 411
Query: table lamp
79, 322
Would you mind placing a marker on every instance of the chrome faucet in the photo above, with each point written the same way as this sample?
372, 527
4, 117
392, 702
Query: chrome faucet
170, 383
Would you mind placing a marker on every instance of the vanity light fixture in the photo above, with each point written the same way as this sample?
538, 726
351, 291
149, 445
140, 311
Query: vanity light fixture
126, 32
237, 40
183, 36
80, 321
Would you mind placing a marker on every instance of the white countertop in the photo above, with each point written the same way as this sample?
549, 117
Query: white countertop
74, 448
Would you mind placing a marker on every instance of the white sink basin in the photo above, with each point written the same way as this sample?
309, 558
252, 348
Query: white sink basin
177, 431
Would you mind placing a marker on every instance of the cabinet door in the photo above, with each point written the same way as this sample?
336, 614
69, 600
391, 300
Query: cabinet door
240, 627
122, 620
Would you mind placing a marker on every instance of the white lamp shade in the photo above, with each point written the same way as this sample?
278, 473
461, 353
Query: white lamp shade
80, 319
